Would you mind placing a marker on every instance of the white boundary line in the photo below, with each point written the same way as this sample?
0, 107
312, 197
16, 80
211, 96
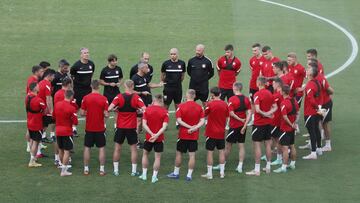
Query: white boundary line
354, 45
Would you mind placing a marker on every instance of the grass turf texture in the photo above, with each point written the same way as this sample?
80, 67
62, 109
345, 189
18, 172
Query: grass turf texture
32, 31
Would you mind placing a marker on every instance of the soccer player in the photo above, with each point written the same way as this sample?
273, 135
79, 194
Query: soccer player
311, 109
81, 73
111, 77
172, 75
190, 117
289, 111
266, 67
66, 84
95, 107
126, 104
144, 58
276, 120
240, 114
45, 94
155, 121
255, 66
228, 66
313, 54
261, 132
299, 74
60, 75
65, 117
45, 65
217, 112
281, 70
200, 69
37, 72
34, 110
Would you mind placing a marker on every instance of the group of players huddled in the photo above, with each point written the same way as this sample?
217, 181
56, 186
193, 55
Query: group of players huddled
277, 89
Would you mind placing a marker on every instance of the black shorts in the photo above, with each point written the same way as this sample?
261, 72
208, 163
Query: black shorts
47, 120
80, 93
226, 93
234, 135
287, 138
172, 95
110, 96
186, 145
202, 95
211, 143
158, 146
261, 132
299, 99
146, 99
329, 107
129, 134
252, 93
275, 131
95, 138
65, 142
36, 135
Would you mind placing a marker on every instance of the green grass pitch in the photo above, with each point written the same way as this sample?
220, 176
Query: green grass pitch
37, 30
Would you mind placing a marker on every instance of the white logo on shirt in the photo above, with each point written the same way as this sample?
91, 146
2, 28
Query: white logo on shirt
90, 67
179, 66
117, 72
203, 65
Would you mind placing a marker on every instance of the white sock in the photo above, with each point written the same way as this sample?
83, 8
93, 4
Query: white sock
116, 166
144, 172
102, 168
176, 170
328, 143
222, 168
74, 128
155, 173
56, 157
209, 170
52, 134
313, 153
268, 165
38, 151
32, 157
43, 135
240, 165
86, 168
114, 125
189, 174
257, 168
133, 168
279, 156
28, 144
292, 163
283, 167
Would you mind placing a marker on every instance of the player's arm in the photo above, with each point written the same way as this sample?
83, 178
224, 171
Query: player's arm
188, 69
161, 131
233, 115
330, 91
182, 123
238, 68
156, 85
49, 104
163, 76
211, 70
146, 127
74, 118
197, 126
112, 107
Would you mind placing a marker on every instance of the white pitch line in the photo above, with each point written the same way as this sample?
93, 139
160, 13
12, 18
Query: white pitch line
354, 45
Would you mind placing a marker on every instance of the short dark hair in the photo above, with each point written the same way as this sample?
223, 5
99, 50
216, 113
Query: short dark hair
95, 84
32, 86
266, 48
159, 98
313, 61
112, 57
256, 45
66, 81
262, 80
49, 72
279, 81
279, 65
69, 94
63, 63
285, 65
36, 68
286, 89
312, 52
229, 47
238, 85
44, 64
215, 91
314, 69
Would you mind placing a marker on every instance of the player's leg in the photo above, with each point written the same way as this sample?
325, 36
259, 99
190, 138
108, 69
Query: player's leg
268, 144
144, 163
191, 165
210, 146
100, 142
68, 145
293, 155
257, 155
116, 158
156, 167
133, 150
318, 135
221, 147
86, 160
241, 147
310, 124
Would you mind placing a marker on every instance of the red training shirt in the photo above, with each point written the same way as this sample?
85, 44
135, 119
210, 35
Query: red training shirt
190, 112
299, 73
228, 68
311, 101
30, 80
95, 104
60, 96
267, 69
155, 116
127, 120
287, 109
217, 112
34, 120
255, 67
265, 100
65, 117
278, 98
234, 105
44, 91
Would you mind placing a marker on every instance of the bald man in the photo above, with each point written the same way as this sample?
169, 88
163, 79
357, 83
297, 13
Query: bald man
172, 75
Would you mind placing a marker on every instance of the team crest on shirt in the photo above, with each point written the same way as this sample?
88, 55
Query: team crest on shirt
295, 71
266, 65
224, 62
254, 63
179, 66
260, 62
203, 65
117, 72
234, 63
90, 67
